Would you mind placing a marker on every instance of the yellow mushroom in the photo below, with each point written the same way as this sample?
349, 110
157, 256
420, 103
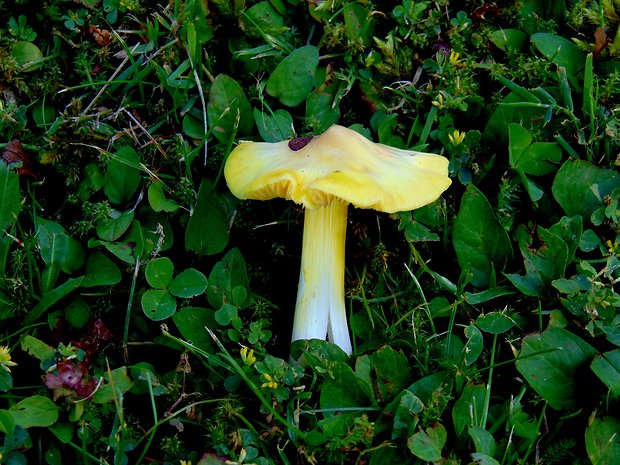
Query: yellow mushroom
324, 174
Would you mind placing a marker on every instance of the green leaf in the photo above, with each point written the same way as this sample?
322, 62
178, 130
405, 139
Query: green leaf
542, 265
228, 110
414, 230
566, 286
570, 229
607, 367
7, 423
159, 272
603, 441
51, 297
157, 231
158, 200
359, 24
35, 411
10, 197
116, 383
62, 431
110, 229
239, 294
481, 243
92, 181
122, 176
495, 322
523, 425
520, 106
532, 187
262, 18
391, 372
579, 187
562, 52
226, 275
158, 304
321, 109
207, 230
77, 314
483, 440
27, 55
293, 78
100, 271
549, 362
483, 459
469, 408
194, 127
474, 345
406, 416
131, 247
519, 139
318, 354
343, 389
486, 295
58, 248
143, 374
274, 127
192, 323
538, 158
589, 241
226, 314
428, 386
189, 283
38, 349
509, 39
6, 381
428, 444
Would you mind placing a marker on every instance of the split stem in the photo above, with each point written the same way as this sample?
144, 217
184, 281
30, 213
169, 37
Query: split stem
320, 308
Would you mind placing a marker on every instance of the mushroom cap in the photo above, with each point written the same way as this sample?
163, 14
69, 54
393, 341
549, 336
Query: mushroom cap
340, 163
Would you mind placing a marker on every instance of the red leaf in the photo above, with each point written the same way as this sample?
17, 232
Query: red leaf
14, 153
601, 41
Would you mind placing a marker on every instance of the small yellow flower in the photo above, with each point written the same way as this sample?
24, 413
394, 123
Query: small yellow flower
438, 102
454, 58
247, 356
5, 359
457, 137
270, 382
613, 247
242, 455
186, 462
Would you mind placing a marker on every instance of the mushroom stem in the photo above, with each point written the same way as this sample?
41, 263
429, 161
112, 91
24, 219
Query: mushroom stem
320, 308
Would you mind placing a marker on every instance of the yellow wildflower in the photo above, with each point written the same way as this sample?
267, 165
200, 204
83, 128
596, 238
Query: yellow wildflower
457, 137
186, 462
242, 455
613, 247
438, 102
454, 58
247, 356
5, 359
270, 382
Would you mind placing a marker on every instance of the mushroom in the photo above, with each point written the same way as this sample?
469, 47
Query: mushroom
324, 174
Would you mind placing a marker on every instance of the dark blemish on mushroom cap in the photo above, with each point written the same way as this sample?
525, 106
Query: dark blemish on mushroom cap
299, 143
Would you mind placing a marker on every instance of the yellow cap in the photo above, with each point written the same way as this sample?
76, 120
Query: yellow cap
340, 163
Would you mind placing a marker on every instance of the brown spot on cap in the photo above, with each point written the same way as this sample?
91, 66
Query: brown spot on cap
299, 143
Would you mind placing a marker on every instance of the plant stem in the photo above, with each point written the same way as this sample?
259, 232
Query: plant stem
132, 290
487, 394
153, 430
320, 308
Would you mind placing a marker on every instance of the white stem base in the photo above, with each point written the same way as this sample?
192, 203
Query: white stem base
320, 309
